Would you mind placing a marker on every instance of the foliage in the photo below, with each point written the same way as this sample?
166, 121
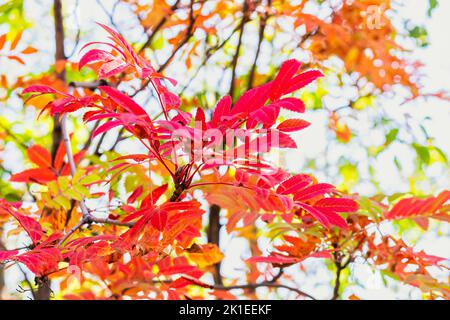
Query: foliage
113, 224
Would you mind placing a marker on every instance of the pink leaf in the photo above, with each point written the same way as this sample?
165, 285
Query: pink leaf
313, 191
338, 204
106, 126
287, 71
293, 184
291, 104
5, 255
124, 101
31, 226
302, 80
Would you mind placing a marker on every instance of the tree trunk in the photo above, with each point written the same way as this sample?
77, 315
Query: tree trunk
214, 237
59, 55
43, 292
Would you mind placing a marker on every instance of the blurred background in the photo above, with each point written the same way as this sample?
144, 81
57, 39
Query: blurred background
380, 116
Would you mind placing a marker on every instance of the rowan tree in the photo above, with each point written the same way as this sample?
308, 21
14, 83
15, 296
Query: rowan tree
165, 133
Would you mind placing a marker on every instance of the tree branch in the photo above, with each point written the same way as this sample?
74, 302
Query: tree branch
337, 285
268, 284
59, 55
262, 28
213, 234
158, 26
238, 48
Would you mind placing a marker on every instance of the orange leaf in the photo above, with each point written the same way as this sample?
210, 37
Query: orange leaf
39, 156
16, 58
29, 50
2, 41
205, 255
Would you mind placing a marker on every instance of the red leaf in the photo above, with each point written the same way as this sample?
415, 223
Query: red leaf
293, 184
154, 196
313, 191
159, 220
59, 157
41, 261
94, 56
223, 108
292, 125
124, 101
333, 217
321, 217
5, 255
200, 117
106, 127
31, 226
135, 194
284, 140
40, 89
288, 69
136, 157
413, 207
325, 216
252, 100
291, 104
302, 80
39, 175
266, 115
338, 204
275, 259
39, 156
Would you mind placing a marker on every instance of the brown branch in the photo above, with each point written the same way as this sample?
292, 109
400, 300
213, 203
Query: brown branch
238, 48
75, 228
59, 55
337, 285
209, 53
158, 26
253, 286
213, 234
120, 137
262, 28
89, 85
44, 292
189, 33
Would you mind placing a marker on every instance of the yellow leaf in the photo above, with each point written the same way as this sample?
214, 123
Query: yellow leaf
16, 40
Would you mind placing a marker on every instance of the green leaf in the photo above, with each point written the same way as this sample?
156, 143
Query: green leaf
432, 5
72, 194
391, 136
62, 201
423, 153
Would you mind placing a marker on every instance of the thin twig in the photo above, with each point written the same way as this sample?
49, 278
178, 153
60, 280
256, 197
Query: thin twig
70, 159
262, 284
238, 48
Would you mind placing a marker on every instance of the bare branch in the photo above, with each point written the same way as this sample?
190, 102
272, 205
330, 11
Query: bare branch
263, 284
